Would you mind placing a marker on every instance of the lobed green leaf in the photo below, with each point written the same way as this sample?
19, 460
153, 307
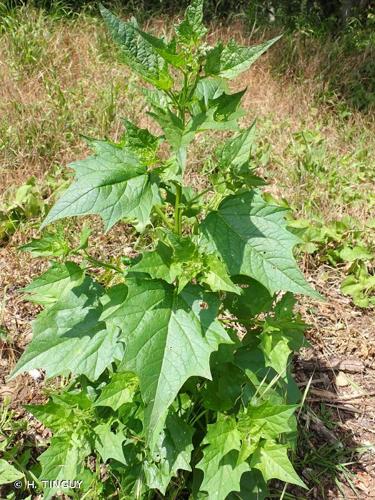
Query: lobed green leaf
69, 337
273, 462
251, 237
231, 60
164, 334
220, 465
113, 184
137, 51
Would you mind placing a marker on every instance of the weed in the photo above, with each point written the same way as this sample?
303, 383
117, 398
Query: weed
17, 462
320, 157
326, 463
165, 393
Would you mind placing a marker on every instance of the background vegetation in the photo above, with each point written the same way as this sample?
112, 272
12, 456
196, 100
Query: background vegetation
313, 96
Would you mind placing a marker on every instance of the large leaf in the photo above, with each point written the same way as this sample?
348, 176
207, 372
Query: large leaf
137, 52
231, 60
273, 462
192, 29
168, 337
251, 237
109, 444
64, 459
221, 468
51, 285
119, 390
268, 420
69, 337
8, 473
113, 184
172, 452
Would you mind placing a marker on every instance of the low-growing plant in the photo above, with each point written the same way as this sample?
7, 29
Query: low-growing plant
341, 243
20, 204
28, 202
16, 462
179, 378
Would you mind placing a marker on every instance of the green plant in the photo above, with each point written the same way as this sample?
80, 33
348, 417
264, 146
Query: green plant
360, 284
326, 461
19, 204
341, 243
26, 202
179, 374
17, 462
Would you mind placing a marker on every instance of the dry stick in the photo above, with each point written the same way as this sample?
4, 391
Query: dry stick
330, 396
315, 381
349, 409
344, 365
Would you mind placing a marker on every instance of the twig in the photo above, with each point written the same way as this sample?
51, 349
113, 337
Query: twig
315, 381
343, 365
330, 396
347, 408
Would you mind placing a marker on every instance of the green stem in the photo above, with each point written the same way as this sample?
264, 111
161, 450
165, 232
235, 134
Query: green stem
194, 86
177, 210
102, 264
160, 212
181, 108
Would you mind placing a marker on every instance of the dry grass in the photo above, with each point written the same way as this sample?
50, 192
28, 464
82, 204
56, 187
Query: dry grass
76, 86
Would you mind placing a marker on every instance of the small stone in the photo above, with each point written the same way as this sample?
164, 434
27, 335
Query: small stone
341, 380
35, 374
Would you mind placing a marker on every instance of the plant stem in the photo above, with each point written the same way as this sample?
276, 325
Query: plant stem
102, 264
177, 209
160, 212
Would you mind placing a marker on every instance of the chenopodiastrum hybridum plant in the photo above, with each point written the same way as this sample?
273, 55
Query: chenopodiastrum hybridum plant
179, 381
